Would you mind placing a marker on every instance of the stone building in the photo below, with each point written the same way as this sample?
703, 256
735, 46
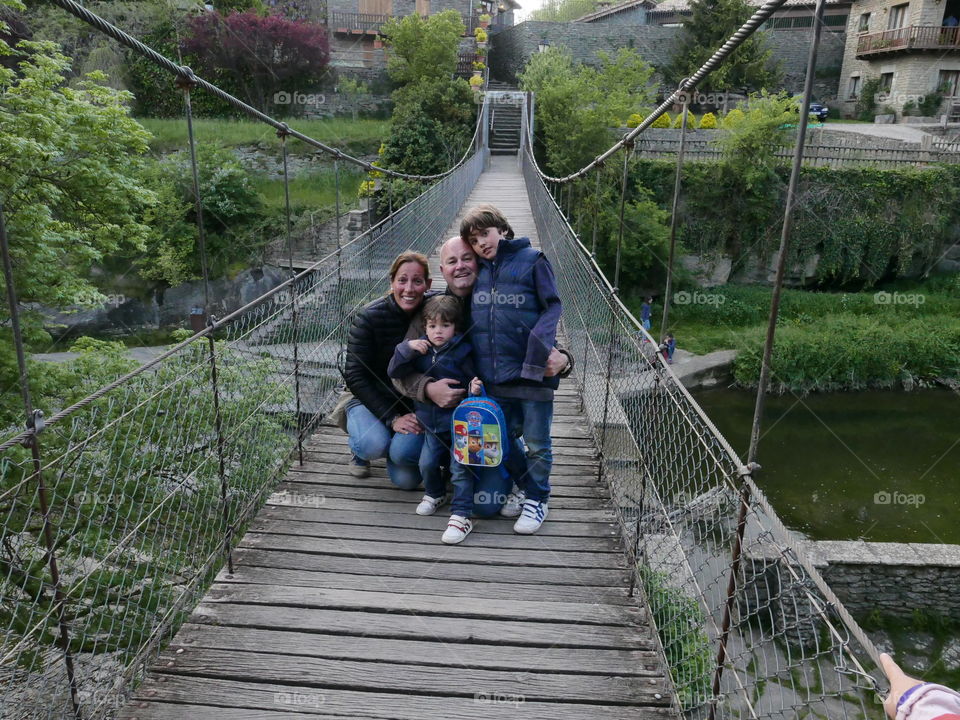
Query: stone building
792, 15
631, 12
912, 48
354, 25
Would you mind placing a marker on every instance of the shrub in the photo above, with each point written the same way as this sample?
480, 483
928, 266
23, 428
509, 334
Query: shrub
475, 81
423, 48
264, 56
708, 121
635, 119
662, 122
480, 34
734, 118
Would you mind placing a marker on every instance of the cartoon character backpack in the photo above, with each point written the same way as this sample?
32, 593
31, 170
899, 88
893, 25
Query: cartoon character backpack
480, 435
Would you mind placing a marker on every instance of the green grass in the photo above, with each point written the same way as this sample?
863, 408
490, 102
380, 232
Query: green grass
311, 191
360, 136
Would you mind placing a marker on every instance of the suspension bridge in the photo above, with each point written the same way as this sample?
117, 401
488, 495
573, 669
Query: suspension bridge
185, 542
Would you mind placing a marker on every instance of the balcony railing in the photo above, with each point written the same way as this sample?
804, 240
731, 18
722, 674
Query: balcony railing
361, 23
910, 38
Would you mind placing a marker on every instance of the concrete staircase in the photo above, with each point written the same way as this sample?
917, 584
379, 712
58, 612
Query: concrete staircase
504, 124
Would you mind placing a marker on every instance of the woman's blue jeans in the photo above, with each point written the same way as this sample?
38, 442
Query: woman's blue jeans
370, 439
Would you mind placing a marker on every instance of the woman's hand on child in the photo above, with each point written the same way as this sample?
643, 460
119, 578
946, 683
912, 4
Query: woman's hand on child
420, 345
407, 424
476, 386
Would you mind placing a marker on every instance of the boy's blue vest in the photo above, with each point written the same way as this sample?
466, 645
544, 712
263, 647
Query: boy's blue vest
503, 311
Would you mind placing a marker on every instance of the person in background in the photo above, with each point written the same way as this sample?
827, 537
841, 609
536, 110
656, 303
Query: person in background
645, 311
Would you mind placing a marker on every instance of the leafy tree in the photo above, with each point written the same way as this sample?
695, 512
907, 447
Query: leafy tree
563, 10
712, 22
578, 104
262, 55
233, 213
423, 48
68, 160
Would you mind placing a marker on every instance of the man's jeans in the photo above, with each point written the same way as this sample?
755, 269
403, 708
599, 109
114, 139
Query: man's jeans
370, 439
530, 419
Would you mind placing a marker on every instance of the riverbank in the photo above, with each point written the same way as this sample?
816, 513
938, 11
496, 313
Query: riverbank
903, 334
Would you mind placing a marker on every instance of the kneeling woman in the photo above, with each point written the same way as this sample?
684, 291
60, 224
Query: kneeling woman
381, 421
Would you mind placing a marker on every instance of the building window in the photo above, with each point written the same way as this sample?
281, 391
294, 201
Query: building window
898, 16
949, 83
886, 83
854, 87
864, 23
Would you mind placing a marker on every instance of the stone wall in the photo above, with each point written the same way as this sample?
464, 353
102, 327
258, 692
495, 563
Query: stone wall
513, 47
893, 578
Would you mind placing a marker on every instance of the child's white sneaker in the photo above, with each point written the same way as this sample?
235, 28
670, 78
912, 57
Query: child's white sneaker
514, 503
531, 517
429, 505
457, 529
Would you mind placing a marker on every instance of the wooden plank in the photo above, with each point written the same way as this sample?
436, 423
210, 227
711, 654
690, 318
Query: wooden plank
407, 519
571, 497
312, 499
264, 574
452, 681
439, 553
588, 661
561, 466
573, 433
340, 475
420, 604
420, 627
560, 453
320, 562
160, 693
320, 491
431, 536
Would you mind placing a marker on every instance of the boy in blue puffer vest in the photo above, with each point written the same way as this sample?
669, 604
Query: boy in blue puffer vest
515, 310
440, 353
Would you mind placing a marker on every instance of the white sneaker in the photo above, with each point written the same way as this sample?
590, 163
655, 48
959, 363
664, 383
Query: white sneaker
429, 505
531, 517
457, 529
511, 508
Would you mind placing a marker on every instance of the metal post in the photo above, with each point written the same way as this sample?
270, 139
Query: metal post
596, 210
186, 85
35, 424
668, 292
295, 325
623, 199
221, 464
767, 352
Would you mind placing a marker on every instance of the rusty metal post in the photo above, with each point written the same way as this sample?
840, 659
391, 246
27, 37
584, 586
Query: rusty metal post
221, 462
35, 424
668, 292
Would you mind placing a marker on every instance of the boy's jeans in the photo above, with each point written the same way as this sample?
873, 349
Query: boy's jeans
478, 491
531, 419
434, 456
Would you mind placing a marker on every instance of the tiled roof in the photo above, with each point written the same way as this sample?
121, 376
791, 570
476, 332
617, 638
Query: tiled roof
680, 6
614, 9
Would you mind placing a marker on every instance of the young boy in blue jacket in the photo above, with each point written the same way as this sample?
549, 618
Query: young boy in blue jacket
514, 313
440, 353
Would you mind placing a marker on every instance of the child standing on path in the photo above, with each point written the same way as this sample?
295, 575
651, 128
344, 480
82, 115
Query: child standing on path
515, 311
440, 353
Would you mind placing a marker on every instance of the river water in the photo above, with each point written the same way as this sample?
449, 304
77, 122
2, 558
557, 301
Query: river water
882, 466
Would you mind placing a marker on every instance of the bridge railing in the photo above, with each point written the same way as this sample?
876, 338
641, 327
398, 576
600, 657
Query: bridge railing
117, 511
747, 626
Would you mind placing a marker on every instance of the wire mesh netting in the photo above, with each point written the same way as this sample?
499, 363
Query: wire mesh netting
109, 537
716, 566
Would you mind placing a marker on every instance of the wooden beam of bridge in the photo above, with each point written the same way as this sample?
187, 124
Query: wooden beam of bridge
344, 603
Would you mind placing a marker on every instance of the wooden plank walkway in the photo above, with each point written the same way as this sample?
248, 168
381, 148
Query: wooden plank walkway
344, 603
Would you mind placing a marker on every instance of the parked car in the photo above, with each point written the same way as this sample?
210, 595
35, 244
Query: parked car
819, 111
